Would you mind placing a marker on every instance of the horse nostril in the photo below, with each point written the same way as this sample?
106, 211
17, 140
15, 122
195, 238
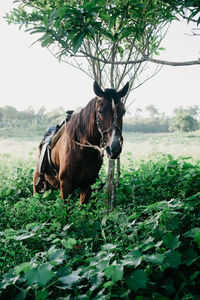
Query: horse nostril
108, 150
115, 149
113, 152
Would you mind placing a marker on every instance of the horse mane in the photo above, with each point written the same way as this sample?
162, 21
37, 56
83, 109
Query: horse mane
81, 125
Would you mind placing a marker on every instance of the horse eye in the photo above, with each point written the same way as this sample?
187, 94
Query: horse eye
123, 112
101, 111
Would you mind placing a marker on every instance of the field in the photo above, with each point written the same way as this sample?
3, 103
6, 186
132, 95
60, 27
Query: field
139, 146
147, 247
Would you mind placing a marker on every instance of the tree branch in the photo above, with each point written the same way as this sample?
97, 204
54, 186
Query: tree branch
173, 63
141, 60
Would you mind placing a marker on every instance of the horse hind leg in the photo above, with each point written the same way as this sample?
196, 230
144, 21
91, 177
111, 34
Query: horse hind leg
85, 195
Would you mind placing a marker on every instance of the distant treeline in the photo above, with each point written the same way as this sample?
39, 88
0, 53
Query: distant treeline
11, 117
183, 119
147, 125
148, 120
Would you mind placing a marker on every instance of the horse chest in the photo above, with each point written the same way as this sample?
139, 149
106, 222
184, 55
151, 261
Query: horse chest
87, 170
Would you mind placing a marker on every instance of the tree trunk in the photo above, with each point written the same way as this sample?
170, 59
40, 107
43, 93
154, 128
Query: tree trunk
118, 171
110, 185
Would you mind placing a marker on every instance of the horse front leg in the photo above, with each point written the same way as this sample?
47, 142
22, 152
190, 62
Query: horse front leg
85, 195
35, 179
65, 189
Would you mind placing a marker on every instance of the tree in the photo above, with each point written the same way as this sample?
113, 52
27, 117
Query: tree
184, 119
111, 41
152, 110
9, 115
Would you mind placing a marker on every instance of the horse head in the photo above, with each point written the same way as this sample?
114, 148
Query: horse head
109, 114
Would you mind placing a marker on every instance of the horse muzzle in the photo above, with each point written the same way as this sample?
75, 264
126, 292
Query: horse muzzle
114, 146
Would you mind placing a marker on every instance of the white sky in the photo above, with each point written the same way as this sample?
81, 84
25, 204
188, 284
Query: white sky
31, 76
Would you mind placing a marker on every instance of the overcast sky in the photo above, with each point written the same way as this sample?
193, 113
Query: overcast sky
31, 76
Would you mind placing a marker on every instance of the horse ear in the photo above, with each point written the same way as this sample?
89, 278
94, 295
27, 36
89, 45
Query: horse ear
98, 91
121, 93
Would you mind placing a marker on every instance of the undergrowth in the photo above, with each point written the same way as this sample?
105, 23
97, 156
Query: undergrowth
147, 247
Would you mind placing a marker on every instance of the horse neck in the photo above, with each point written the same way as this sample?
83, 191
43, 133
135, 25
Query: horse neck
87, 127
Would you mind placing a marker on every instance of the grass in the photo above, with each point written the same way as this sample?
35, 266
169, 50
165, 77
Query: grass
138, 145
178, 144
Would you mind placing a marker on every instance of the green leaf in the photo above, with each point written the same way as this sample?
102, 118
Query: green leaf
138, 280
8, 279
190, 256
173, 259
120, 50
23, 267
46, 21
24, 236
147, 244
57, 256
156, 258
47, 41
41, 275
102, 265
194, 275
112, 21
57, 240
133, 258
66, 227
42, 295
109, 246
171, 241
78, 41
108, 284
192, 232
126, 32
69, 244
69, 280
193, 14
115, 273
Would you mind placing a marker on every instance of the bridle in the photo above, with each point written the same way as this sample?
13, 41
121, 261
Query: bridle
114, 127
104, 133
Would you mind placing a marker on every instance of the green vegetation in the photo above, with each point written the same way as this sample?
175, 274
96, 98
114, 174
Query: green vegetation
146, 248
182, 120
185, 119
10, 117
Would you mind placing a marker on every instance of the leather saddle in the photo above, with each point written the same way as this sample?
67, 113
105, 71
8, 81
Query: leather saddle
49, 140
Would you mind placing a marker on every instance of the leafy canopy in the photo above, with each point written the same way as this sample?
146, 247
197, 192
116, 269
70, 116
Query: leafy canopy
104, 32
71, 22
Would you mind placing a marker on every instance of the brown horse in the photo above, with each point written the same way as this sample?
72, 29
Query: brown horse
76, 156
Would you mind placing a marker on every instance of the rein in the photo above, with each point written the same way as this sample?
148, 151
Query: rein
89, 145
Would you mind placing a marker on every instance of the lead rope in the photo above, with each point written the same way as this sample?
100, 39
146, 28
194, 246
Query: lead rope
89, 145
